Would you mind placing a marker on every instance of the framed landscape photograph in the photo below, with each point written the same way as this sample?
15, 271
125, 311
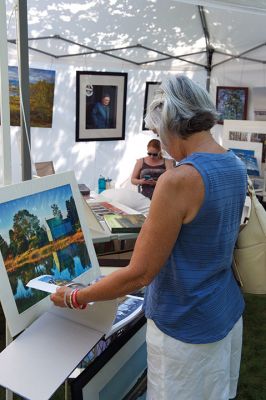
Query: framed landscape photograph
100, 106
42, 231
231, 103
41, 92
150, 90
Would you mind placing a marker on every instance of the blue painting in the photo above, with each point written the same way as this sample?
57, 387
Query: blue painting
41, 234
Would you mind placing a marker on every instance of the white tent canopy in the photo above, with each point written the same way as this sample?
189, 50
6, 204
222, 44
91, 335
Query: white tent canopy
145, 33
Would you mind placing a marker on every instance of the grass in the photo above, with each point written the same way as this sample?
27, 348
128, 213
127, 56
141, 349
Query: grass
252, 382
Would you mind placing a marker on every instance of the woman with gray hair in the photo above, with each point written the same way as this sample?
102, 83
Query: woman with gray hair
183, 255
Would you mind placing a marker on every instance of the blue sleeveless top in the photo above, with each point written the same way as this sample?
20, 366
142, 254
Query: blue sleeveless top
195, 297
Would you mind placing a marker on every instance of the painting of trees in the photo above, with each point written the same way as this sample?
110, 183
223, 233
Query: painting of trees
26, 233
42, 83
4, 247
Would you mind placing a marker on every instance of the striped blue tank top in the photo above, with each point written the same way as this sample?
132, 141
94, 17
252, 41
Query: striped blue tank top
195, 297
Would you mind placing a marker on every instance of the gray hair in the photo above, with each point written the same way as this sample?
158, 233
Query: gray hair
181, 106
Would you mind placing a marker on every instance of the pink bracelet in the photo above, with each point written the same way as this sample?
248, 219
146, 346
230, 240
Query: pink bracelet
75, 301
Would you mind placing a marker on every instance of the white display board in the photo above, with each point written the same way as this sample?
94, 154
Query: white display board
36, 363
44, 231
248, 132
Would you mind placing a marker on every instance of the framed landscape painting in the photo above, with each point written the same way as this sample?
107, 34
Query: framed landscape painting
100, 106
150, 90
231, 103
42, 231
41, 91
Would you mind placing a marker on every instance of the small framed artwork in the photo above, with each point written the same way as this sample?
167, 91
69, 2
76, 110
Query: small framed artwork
100, 106
41, 106
231, 103
150, 90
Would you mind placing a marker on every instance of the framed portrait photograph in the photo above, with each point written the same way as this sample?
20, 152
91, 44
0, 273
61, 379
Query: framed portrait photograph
150, 90
231, 103
100, 106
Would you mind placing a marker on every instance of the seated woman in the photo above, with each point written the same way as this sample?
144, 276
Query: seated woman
148, 169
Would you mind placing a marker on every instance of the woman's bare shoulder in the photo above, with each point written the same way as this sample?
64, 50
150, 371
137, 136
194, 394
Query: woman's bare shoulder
185, 178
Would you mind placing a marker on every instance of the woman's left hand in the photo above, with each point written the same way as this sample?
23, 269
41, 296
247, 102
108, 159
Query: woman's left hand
58, 297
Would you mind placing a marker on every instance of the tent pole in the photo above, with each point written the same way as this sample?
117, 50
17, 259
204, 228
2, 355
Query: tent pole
5, 155
5, 122
210, 52
209, 49
23, 67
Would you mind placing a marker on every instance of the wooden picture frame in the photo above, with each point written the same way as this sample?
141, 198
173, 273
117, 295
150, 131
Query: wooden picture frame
150, 90
231, 103
100, 106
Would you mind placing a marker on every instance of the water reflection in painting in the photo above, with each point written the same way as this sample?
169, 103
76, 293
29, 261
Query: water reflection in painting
41, 234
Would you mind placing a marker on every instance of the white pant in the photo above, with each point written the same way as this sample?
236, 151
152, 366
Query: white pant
183, 371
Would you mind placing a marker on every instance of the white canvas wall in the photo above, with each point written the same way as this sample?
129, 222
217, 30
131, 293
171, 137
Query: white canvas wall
114, 159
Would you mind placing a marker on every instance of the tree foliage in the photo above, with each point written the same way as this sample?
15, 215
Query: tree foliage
26, 233
72, 213
56, 211
4, 248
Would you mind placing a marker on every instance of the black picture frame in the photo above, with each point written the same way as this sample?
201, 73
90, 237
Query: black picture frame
121, 342
231, 103
150, 90
96, 119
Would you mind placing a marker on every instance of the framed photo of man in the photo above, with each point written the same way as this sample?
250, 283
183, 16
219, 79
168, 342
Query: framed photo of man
100, 105
150, 90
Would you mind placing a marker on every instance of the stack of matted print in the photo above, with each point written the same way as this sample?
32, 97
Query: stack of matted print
248, 140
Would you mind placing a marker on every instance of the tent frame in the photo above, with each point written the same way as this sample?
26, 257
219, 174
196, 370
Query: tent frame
209, 50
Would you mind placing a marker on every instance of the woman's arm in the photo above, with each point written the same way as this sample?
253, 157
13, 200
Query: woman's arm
171, 205
135, 177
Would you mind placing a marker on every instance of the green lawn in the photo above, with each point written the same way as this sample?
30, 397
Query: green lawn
252, 383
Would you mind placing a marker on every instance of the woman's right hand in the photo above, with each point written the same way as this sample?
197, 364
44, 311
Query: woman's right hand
149, 182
